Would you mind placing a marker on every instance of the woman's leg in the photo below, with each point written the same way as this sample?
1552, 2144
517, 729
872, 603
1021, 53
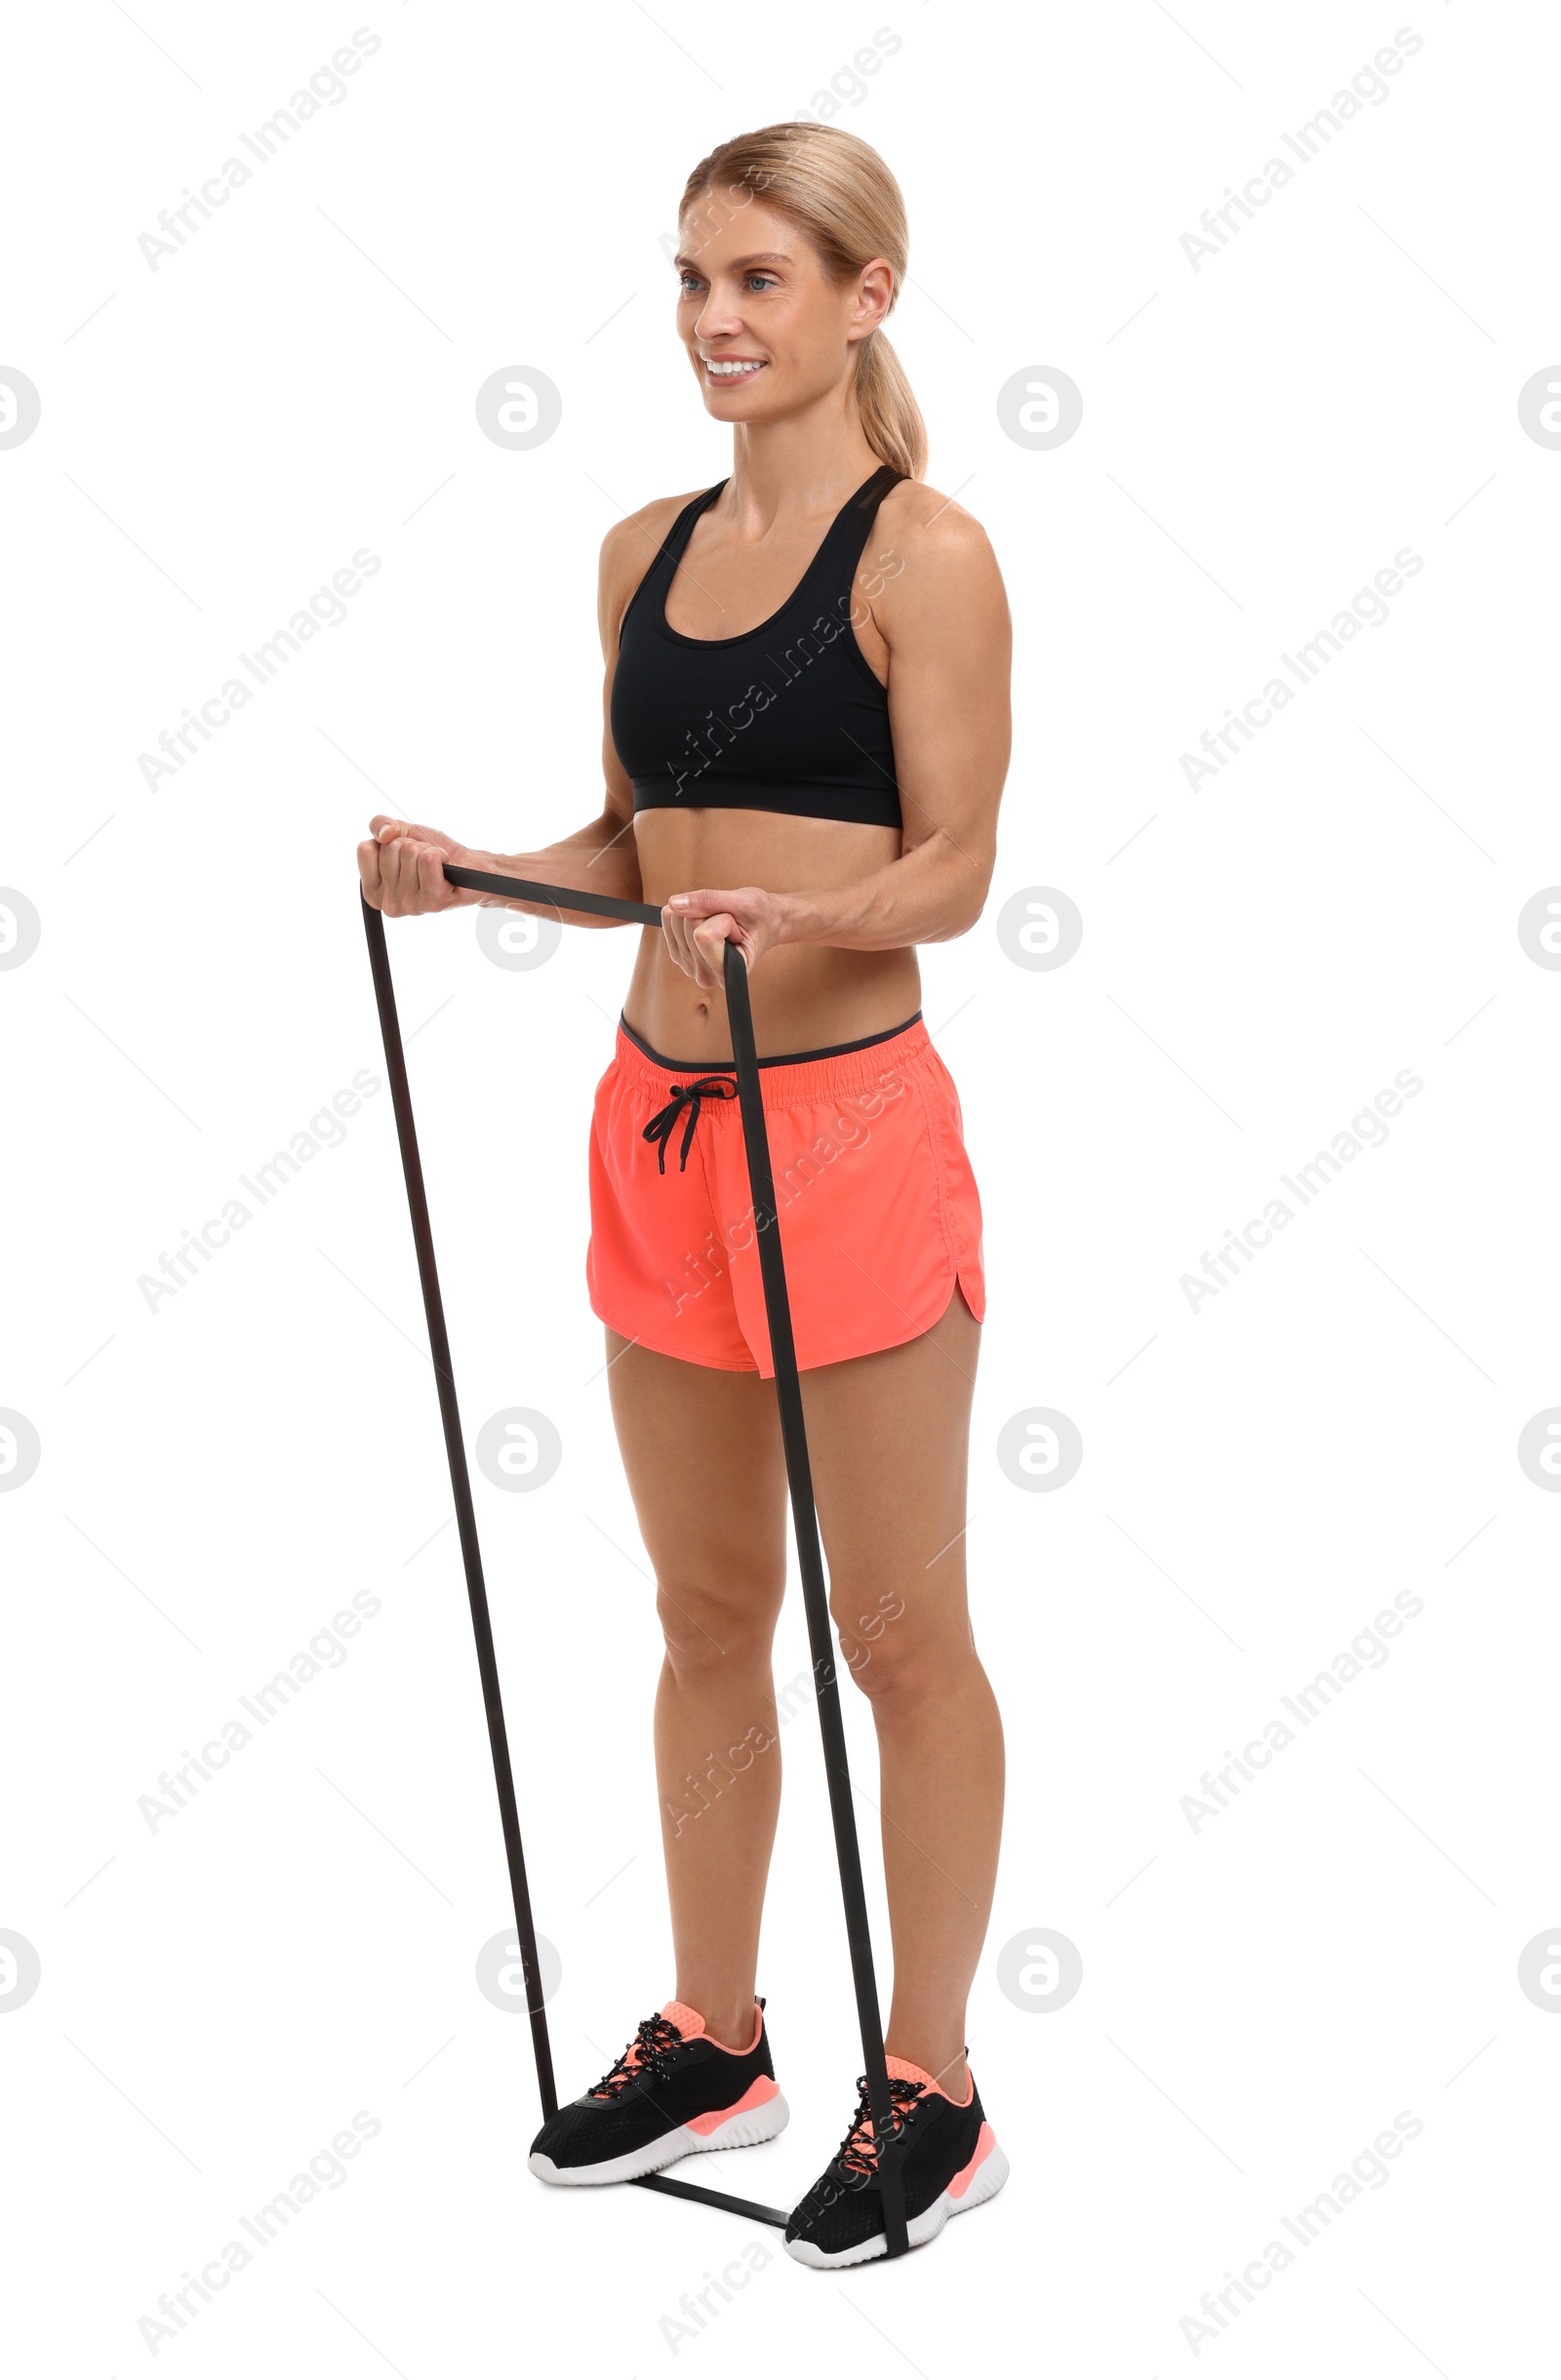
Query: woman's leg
889, 1437
703, 1453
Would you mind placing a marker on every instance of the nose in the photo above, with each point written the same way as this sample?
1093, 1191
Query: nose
718, 318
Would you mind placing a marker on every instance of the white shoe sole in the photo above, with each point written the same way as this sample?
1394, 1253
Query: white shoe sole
991, 2176
743, 2130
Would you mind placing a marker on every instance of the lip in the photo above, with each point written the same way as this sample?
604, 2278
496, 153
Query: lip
755, 363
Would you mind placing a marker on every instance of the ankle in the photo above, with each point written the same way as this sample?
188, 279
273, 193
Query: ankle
955, 2082
951, 2074
728, 2024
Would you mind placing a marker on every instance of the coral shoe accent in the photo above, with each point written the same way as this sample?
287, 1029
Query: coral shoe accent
757, 2092
986, 2143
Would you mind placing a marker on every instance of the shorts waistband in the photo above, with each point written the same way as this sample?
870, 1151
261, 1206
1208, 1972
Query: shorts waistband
796, 1077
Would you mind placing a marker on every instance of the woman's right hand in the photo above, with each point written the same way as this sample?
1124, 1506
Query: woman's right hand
402, 869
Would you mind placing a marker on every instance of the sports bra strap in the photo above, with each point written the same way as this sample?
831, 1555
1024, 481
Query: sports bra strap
669, 553
877, 488
682, 529
840, 554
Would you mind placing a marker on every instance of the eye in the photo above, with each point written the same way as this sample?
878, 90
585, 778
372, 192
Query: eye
687, 283
766, 281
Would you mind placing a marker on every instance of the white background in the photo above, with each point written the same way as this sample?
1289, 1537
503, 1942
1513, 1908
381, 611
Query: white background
1260, 1476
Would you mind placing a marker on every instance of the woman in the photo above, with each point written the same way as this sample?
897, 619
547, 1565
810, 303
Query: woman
807, 737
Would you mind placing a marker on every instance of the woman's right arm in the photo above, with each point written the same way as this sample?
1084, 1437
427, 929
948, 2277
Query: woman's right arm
401, 866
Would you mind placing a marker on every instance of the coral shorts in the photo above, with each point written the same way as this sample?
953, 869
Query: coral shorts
878, 1208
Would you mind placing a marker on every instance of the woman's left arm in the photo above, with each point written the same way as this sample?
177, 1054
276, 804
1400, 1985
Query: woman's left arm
945, 618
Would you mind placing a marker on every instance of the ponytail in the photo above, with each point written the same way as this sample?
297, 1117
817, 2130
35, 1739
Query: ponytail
891, 418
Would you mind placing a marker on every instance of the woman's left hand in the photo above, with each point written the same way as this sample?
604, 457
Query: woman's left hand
697, 924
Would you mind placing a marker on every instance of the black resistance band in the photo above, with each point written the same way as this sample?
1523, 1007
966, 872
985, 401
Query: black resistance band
804, 1518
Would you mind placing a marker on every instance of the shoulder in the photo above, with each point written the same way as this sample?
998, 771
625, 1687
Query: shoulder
943, 553
938, 523
632, 542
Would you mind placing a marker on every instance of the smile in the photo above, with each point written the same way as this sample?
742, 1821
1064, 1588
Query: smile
742, 368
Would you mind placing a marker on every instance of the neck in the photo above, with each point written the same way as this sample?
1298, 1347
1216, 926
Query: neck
809, 464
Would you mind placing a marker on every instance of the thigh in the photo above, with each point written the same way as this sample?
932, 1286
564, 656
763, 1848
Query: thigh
706, 1470
888, 1434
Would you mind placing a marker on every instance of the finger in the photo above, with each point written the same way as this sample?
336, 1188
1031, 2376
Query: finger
406, 830
689, 934
745, 948
694, 908
390, 879
432, 887
400, 862
432, 892
676, 940
369, 872
711, 940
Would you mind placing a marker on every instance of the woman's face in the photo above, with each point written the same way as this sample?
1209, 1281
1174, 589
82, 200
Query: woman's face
765, 330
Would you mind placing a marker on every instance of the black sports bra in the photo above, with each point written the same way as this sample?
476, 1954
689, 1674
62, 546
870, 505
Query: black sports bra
786, 717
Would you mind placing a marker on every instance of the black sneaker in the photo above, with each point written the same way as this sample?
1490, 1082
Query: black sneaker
673, 2091
948, 2159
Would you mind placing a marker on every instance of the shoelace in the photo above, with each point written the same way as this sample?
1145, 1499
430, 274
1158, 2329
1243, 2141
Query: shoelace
664, 1123
858, 2155
646, 2054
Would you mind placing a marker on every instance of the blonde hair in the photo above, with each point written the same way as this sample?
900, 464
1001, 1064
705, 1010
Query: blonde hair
840, 194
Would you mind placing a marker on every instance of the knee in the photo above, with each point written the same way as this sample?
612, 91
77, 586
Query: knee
716, 1622
895, 1660
899, 1678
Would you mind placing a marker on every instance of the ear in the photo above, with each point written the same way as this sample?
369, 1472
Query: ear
875, 295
